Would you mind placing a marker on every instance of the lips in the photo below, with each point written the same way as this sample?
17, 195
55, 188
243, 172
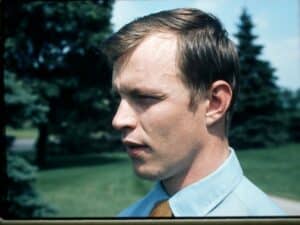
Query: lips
135, 149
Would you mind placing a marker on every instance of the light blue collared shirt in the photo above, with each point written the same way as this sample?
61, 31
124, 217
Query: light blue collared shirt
225, 192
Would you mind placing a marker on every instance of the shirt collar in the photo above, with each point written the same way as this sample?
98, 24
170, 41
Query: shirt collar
201, 197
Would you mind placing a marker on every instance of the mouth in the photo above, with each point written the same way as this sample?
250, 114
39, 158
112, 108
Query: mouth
135, 149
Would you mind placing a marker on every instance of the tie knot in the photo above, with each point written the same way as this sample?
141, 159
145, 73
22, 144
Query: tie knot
161, 209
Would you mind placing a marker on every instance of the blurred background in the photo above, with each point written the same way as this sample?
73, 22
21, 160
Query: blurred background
63, 157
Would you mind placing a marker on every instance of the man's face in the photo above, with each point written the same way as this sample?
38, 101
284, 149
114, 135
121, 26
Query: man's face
161, 134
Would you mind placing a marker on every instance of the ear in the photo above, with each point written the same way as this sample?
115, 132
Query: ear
219, 98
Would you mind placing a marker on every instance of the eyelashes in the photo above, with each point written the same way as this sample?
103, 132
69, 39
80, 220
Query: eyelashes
140, 100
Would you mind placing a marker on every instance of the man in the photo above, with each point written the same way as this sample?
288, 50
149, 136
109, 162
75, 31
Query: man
176, 73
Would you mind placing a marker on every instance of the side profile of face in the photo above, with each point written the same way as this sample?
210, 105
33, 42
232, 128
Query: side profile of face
161, 134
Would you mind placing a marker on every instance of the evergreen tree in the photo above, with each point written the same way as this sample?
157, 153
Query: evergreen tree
23, 201
257, 121
291, 104
49, 45
19, 197
20, 102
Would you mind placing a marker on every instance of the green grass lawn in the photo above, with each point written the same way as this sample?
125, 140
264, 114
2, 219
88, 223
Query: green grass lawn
276, 171
31, 133
92, 191
107, 185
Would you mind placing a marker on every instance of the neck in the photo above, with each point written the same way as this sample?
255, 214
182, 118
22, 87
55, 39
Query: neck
206, 161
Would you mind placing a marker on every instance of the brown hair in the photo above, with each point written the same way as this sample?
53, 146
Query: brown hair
205, 53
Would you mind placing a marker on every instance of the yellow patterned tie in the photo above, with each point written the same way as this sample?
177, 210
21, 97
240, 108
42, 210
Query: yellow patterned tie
162, 209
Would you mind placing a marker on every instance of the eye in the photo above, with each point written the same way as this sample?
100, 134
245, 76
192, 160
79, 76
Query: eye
144, 99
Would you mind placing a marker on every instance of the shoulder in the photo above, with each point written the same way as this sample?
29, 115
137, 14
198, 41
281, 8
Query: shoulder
256, 201
247, 200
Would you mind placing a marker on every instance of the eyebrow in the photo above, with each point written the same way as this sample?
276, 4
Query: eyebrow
136, 90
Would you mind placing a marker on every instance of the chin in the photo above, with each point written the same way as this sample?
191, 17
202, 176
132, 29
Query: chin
147, 174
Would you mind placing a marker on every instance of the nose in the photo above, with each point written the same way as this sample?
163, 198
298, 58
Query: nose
125, 117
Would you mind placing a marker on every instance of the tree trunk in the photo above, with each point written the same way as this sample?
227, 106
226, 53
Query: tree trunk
41, 145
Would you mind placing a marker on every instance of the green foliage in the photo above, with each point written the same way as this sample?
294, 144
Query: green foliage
294, 126
22, 199
258, 120
21, 103
291, 104
50, 47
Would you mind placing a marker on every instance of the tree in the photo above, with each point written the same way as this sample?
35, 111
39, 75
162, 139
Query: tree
257, 121
50, 47
23, 201
20, 199
20, 103
291, 104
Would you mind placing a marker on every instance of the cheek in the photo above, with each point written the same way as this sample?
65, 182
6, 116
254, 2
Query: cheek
161, 119
170, 127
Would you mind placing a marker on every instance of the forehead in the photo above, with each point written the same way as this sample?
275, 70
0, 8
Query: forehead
153, 59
